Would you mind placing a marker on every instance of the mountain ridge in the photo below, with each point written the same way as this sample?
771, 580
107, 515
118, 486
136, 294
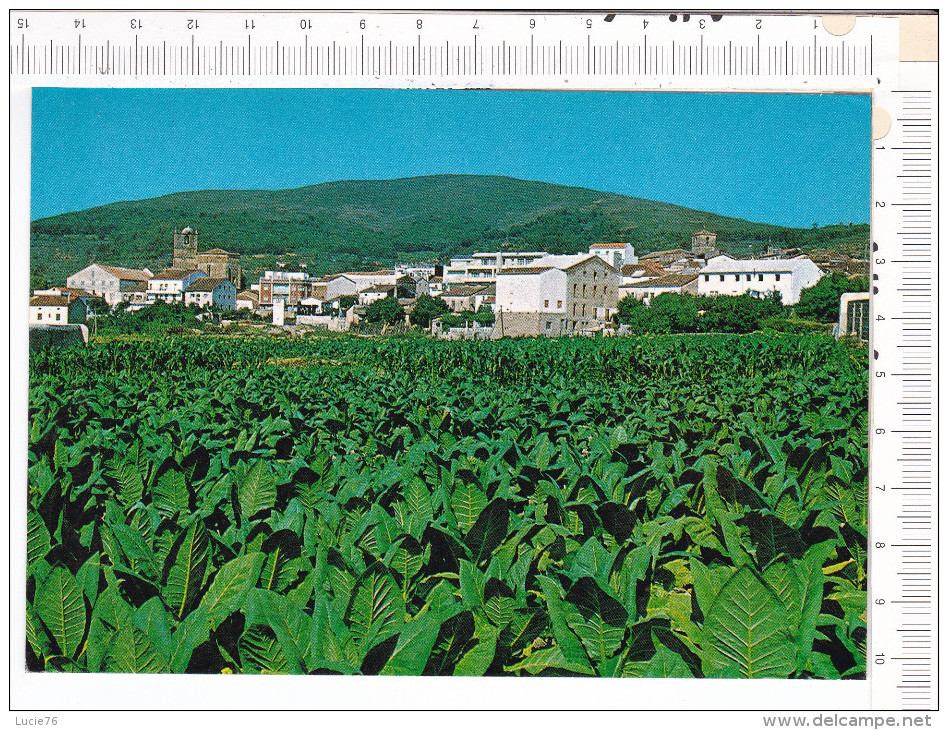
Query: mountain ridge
348, 224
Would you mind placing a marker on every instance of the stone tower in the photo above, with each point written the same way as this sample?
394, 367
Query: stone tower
704, 243
185, 249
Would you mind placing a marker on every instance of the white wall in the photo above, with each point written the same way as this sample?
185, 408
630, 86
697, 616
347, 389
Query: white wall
97, 280
788, 283
543, 292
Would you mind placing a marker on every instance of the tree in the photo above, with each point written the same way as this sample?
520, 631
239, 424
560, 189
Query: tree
821, 301
635, 314
387, 311
426, 309
740, 314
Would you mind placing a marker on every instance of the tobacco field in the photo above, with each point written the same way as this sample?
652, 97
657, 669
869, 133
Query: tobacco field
636, 507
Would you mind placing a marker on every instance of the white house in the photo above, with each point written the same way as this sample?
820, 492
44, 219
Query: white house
340, 285
169, 285
467, 297
758, 277
247, 300
557, 295
206, 292
374, 293
56, 310
648, 289
435, 286
113, 283
615, 254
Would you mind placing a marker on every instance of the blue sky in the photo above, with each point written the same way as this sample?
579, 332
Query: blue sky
789, 159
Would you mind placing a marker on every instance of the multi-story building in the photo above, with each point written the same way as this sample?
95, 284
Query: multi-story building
290, 287
169, 286
758, 277
557, 295
482, 268
113, 283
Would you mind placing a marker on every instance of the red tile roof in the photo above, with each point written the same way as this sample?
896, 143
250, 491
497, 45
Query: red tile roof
46, 300
127, 274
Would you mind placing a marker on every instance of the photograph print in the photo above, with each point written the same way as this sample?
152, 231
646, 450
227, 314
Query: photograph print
433, 382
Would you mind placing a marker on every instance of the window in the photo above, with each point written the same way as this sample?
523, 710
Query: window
722, 277
748, 277
559, 303
594, 290
584, 290
574, 309
777, 277
707, 277
584, 310
760, 277
546, 305
39, 315
737, 277
549, 326
594, 274
57, 316
575, 289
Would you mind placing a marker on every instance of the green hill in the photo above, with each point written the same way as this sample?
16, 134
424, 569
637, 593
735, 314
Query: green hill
349, 224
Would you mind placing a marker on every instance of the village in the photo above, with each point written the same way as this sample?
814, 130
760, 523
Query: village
483, 296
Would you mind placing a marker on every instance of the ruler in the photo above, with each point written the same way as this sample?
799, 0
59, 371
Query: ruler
488, 47
873, 54
904, 496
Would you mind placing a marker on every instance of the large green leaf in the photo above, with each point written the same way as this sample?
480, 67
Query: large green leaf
190, 634
257, 490
477, 659
129, 472
60, 605
291, 627
170, 493
414, 646
260, 651
418, 499
280, 568
230, 587
405, 557
153, 620
467, 502
747, 632
109, 614
37, 539
133, 653
376, 610
138, 556
570, 649
489, 530
185, 569
599, 619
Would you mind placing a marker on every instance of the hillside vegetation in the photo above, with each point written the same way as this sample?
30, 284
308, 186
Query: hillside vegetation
350, 224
